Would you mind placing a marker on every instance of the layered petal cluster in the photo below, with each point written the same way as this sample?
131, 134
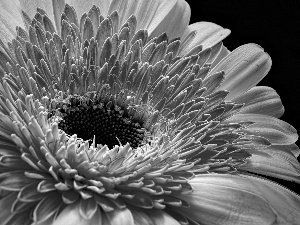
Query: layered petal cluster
119, 112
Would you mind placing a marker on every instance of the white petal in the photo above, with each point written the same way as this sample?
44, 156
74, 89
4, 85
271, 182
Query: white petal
172, 20
70, 216
244, 68
152, 217
141, 218
143, 10
53, 8
238, 199
285, 202
261, 100
226, 199
30, 6
275, 161
207, 34
159, 217
10, 17
120, 217
275, 130
84, 6
293, 148
223, 53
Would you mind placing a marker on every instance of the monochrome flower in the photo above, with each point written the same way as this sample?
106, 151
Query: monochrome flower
120, 112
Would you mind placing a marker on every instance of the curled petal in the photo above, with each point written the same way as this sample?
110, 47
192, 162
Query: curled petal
261, 100
275, 161
276, 131
244, 68
231, 199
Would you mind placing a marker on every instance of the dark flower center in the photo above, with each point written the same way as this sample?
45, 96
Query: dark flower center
102, 121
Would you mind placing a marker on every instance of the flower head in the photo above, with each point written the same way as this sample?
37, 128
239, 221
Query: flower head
122, 113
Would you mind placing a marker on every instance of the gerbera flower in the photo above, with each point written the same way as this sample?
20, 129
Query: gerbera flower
119, 112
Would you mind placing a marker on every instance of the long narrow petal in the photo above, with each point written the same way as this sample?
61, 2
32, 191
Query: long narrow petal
244, 68
261, 100
275, 161
232, 199
275, 130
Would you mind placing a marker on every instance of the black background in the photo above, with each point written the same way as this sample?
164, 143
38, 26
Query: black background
274, 25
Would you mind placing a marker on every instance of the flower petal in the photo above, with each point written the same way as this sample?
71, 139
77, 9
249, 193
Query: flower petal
207, 34
6, 203
70, 215
171, 17
232, 199
84, 6
244, 68
275, 161
293, 148
285, 202
216, 199
47, 207
10, 18
275, 130
223, 53
120, 217
88, 208
160, 217
141, 218
261, 100
152, 217
30, 7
